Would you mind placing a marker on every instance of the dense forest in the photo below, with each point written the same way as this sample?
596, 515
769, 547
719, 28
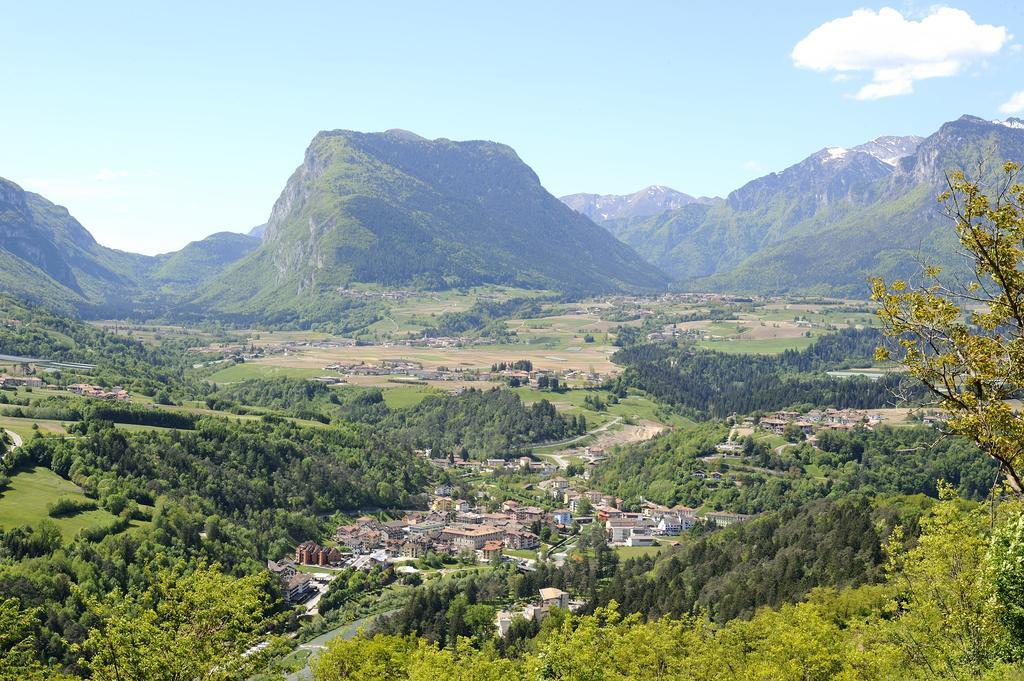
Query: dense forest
774, 559
704, 383
36, 333
885, 460
479, 424
476, 424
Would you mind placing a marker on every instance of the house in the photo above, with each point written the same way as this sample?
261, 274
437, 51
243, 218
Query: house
298, 588
640, 540
311, 553
442, 504
670, 525
283, 569
723, 519
556, 487
415, 547
521, 540
572, 499
443, 490
503, 621
492, 550
619, 529
562, 517
27, 381
529, 514
775, 425
471, 537
550, 597
427, 526
509, 506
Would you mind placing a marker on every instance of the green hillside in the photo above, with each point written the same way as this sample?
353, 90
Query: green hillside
827, 223
47, 256
200, 260
398, 210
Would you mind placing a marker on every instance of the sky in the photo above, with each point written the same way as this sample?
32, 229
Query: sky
158, 124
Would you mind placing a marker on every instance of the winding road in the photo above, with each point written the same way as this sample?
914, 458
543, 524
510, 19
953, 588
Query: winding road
15, 438
561, 460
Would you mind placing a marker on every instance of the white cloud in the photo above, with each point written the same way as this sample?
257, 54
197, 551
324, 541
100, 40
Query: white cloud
1013, 105
898, 51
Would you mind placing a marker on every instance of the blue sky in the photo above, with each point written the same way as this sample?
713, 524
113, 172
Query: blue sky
159, 124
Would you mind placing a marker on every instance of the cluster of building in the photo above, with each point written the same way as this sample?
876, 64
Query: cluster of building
298, 587
819, 419
404, 368
440, 342
450, 527
632, 528
376, 294
15, 381
538, 610
522, 463
99, 392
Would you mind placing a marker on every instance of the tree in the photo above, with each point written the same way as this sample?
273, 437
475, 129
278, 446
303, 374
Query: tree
964, 340
192, 623
944, 614
17, 641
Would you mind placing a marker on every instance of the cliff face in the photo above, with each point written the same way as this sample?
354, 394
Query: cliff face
398, 210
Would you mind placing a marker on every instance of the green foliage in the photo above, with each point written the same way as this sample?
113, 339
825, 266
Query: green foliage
774, 559
65, 506
706, 383
190, 623
881, 461
119, 360
481, 424
964, 340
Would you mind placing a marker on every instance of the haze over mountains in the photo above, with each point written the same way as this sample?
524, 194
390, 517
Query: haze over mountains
649, 201
397, 210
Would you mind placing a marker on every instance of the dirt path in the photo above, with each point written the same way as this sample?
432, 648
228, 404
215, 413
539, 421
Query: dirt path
606, 439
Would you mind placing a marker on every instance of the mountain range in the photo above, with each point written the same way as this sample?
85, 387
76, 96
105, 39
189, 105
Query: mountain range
653, 200
386, 208
48, 257
827, 223
397, 210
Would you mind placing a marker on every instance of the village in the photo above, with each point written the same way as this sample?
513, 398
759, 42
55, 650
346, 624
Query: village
455, 530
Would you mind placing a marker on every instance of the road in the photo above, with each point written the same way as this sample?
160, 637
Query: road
346, 632
563, 461
15, 438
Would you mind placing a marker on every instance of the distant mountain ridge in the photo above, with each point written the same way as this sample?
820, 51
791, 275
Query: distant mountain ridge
825, 224
397, 210
47, 257
649, 201
203, 259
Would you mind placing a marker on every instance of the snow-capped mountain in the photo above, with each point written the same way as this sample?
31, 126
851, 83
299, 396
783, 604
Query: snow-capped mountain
652, 200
